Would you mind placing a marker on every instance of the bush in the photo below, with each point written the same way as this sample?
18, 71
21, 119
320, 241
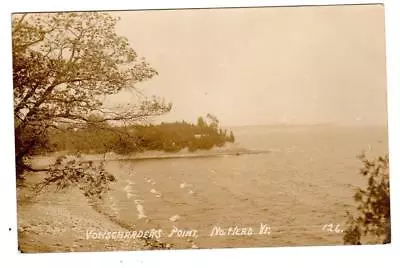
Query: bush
71, 171
372, 224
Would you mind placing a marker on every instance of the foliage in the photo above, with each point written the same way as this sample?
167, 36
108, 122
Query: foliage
373, 221
231, 137
169, 137
63, 66
71, 171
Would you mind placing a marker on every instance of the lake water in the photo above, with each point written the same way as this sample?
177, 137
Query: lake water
306, 181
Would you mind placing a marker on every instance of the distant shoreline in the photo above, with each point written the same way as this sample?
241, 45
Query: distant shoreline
193, 155
42, 161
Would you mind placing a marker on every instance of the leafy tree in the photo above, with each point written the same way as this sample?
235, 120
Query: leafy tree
373, 220
201, 123
231, 137
63, 66
69, 171
213, 121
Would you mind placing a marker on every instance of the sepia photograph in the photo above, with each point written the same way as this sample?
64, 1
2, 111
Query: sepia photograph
201, 128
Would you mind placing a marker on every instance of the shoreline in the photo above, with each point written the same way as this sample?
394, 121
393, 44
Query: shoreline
165, 155
52, 221
42, 161
59, 221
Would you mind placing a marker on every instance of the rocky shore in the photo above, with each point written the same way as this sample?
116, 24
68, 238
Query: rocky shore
59, 221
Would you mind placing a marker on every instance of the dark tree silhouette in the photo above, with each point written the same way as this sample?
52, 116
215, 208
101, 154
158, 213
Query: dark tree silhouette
63, 63
373, 220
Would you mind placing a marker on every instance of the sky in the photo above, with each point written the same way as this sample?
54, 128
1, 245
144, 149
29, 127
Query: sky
261, 66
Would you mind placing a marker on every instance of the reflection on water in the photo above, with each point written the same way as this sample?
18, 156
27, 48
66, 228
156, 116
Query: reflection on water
306, 182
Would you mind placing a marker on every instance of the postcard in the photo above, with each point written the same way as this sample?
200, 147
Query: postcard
201, 128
